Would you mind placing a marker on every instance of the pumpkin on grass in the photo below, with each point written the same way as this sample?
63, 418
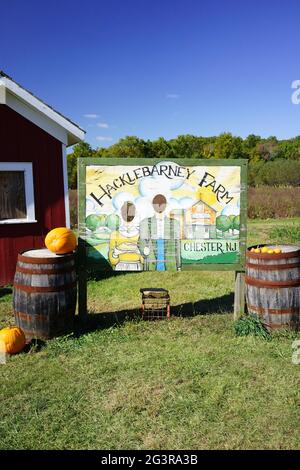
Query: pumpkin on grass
12, 340
61, 240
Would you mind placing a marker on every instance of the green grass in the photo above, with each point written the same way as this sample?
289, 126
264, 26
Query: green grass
291, 233
267, 231
187, 383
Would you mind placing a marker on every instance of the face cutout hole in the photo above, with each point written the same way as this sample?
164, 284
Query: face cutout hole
159, 203
128, 211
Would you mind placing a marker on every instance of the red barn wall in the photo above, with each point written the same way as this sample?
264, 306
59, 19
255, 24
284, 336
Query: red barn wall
23, 141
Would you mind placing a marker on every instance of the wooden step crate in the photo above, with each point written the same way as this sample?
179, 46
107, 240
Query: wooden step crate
155, 303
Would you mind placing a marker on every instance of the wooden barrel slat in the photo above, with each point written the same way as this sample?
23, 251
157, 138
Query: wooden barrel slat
19, 269
272, 267
274, 311
45, 294
272, 284
47, 260
273, 287
278, 326
42, 290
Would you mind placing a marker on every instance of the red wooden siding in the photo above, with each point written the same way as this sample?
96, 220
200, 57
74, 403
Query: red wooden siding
23, 141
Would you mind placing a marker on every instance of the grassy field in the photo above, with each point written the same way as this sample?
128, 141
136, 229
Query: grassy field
187, 383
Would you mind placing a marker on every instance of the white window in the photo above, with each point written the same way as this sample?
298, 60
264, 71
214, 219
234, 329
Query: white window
16, 193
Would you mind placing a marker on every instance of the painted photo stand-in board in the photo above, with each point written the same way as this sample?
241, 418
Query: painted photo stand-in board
154, 215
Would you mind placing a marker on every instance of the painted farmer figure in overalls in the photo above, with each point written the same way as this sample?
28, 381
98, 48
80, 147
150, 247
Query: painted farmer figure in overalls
159, 240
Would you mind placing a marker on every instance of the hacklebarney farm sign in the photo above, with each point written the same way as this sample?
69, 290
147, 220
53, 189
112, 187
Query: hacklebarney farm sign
162, 215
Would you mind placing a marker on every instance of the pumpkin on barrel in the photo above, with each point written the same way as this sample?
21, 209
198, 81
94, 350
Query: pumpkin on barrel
61, 240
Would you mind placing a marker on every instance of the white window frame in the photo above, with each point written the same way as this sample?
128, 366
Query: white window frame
29, 193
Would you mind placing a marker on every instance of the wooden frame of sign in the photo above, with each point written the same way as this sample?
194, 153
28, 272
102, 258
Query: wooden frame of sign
204, 223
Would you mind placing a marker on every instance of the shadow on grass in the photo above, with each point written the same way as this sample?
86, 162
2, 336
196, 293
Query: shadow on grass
5, 291
96, 321
101, 321
223, 304
35, 345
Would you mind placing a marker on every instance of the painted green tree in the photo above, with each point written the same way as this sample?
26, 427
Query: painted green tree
236, 222
223, 223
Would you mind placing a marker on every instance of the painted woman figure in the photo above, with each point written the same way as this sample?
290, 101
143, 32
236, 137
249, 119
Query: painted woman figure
124, 253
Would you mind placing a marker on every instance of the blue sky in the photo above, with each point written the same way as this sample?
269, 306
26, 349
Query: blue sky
158, 68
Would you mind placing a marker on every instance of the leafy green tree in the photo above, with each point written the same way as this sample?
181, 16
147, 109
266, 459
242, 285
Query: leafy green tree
72, 171
160, 148
250, 149
228, 146
254, 148
272, 162
81, 150
251, 141
129, 147
269, 149
187, 146
290, 149
100, 152
209, 149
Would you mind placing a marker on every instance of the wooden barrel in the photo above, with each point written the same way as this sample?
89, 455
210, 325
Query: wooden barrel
45, 292
273, 286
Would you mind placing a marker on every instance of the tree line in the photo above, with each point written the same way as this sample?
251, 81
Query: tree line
271, 161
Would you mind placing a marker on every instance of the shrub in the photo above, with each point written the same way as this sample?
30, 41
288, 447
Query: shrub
251, 325
276, 173
267, 202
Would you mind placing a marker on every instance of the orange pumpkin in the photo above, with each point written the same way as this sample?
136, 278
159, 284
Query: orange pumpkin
12, 340
61, 240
